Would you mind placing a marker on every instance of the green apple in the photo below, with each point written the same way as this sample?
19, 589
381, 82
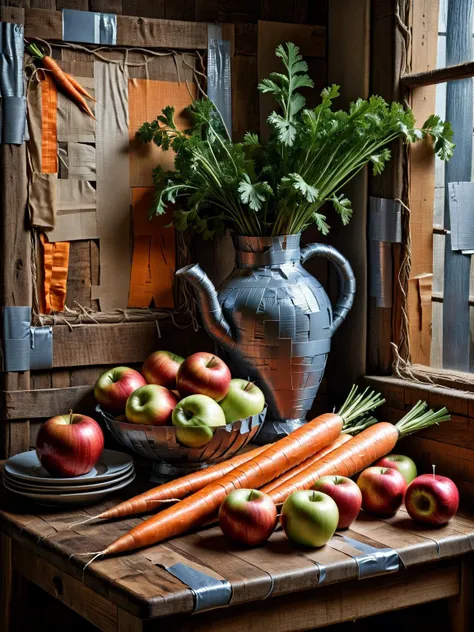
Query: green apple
309, 518
403, 464
195, 418
243, 399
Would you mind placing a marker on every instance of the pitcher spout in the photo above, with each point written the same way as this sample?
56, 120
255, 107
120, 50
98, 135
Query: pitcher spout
211, 312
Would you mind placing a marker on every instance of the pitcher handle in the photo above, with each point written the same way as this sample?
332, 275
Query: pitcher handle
345, 275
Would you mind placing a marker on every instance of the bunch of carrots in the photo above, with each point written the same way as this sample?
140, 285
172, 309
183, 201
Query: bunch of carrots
64, 80
342, 443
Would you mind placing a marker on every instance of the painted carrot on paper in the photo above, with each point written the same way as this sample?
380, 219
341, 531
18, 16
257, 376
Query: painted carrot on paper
276, 460
62, 79
361, 451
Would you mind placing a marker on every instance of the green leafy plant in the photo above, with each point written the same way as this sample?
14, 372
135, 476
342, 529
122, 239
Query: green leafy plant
279, 187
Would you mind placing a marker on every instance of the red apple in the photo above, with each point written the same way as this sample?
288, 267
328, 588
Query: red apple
69, 445
161, 368
151, 405
115, 386
248, 516
203, 374
403, 464
432, 499
345, 493
382, 490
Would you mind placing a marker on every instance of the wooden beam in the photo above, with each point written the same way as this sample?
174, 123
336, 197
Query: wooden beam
48, 402
463, 70
131, 30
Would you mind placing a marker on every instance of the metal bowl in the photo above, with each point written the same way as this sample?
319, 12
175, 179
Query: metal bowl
159, 443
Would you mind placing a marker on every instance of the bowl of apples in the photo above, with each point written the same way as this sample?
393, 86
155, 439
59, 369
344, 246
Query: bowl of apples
184, 414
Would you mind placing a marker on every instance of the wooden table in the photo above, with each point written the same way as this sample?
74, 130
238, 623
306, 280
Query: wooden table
277, 587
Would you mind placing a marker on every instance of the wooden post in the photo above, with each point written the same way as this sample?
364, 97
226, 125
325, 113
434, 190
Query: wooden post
460, 606
456, 322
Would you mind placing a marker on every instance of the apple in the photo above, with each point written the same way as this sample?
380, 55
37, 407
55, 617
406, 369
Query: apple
403, 464
151, 405
309, 517
161, 368
382, 490
432, 499
69, 445
345, 493
195, 418
115, 386
248, 516
243, 399
203, 374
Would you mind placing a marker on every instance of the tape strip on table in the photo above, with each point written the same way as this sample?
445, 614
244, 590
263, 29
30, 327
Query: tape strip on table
372, 561
208, 591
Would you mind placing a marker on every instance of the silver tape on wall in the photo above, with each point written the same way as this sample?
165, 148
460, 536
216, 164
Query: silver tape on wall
12, 102
89, 27
219, 88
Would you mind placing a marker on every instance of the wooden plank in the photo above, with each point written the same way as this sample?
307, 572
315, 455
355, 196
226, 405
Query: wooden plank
459, 94
5, 580
107, 6
15, 281
461, 613
144, 8
79, 274
245, 113
72, 593
45, 403
182, 10
43, 23
77, 5
124, 343
136, 31
13, 15
334, 604
422, 183
126, 622
348, 66
464, 70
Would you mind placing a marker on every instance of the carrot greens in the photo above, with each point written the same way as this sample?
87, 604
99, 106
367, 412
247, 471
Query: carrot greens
279, 187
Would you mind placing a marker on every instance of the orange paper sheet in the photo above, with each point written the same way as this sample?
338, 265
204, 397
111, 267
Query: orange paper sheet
154, 254
49, 142
55, 268
146, 99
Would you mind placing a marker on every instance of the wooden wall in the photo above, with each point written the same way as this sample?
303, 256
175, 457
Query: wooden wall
81, 354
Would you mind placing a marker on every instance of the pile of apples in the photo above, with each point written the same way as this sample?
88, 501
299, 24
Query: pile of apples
311, 517
196, 395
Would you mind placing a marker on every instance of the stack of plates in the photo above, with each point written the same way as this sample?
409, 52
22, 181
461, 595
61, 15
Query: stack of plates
24, 475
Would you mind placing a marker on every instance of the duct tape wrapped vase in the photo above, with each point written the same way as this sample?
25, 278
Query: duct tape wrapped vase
275, 321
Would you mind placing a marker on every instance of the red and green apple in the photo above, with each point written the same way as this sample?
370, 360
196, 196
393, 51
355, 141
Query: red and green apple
115, 386
345, 493
161, 367
151, 405
309, 518
203, 374
195, 418
432, 499
403, 464
243, 399
383, 489
248, 516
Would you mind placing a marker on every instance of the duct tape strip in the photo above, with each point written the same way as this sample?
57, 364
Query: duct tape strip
219, 73
385, 228
373, 561
89, 27
25, 347
209, 592
12, 102
461, 214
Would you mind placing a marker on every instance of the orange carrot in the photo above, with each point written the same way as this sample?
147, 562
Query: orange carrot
61, 78
177, 489
277, 459
361, 451
80, 88
348, 430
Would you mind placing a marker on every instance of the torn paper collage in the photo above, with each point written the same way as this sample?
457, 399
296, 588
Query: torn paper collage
90, 179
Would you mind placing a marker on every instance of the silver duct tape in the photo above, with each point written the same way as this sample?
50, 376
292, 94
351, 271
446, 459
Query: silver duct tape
373, 561
257, 259
16, 338
89, 27
12, 102
381, 272
41, 348
209, 592
385, 220
219, 73
461, 214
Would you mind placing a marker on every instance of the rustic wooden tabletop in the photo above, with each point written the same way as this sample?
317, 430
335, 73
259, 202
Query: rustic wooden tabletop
47, 544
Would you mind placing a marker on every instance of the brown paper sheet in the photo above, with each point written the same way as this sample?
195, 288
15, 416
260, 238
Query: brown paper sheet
154, 255
113, 185
146, 100
76, 216
73, 124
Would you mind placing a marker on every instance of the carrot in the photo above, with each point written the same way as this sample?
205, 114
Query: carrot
177, 489
80, 88
344, 437
277, 459
60, 77
361, 451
